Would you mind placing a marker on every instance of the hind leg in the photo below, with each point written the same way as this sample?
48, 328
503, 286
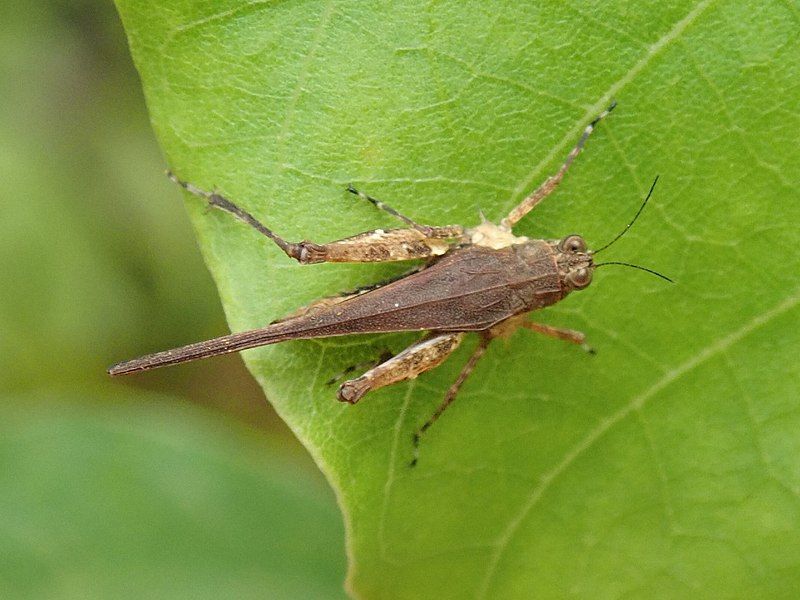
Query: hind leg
411, 362
419, 241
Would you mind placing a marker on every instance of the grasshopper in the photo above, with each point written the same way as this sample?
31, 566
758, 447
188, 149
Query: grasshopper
483, 279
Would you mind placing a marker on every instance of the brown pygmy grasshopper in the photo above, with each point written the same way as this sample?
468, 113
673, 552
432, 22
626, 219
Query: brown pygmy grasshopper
482, 279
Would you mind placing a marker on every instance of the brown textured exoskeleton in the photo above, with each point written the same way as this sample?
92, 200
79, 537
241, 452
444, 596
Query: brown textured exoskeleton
482, 279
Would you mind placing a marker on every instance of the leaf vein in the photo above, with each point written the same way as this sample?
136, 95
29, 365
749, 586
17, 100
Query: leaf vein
654, 50
307, 61
390, 475
636, 404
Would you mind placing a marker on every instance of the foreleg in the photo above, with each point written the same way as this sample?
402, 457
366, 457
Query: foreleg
568, 335
551, 183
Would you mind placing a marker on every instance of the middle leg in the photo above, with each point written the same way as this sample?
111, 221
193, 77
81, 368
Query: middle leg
448, 231
452, 392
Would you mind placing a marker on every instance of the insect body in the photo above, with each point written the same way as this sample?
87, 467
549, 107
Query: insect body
482, 279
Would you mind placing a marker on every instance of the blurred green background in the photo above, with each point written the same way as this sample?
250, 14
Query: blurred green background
177, 483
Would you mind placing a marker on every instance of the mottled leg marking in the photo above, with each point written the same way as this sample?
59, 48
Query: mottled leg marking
552, 182
384, 356
452, 392
568, 335
448, 231
422, 356
384, 246
372, 246
303, 252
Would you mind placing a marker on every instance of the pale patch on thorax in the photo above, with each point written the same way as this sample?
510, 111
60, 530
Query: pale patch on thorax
438, 247
493, 236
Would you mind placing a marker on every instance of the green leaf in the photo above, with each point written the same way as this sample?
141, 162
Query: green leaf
154, 500
668, 464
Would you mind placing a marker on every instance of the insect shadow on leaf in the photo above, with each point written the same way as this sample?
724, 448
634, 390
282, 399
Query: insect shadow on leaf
483, 279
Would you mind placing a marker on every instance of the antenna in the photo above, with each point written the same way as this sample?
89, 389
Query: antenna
624, 264
624, 231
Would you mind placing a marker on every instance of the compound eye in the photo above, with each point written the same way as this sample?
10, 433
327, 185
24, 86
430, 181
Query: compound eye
580, 278
573, 243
